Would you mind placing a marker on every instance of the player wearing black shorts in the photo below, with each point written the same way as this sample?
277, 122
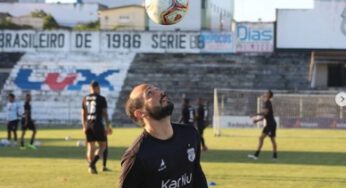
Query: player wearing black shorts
270, 127
202, 121
94, 111
187, 113
28, 123
165, 154
12, 109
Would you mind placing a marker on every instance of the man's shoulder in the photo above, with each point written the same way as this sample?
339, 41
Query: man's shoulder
268, 103
87, 96
102, 97
134, 149
183, 127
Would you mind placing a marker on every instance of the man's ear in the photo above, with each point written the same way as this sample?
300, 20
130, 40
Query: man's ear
138, 114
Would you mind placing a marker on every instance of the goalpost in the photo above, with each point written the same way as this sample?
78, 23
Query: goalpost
306, 109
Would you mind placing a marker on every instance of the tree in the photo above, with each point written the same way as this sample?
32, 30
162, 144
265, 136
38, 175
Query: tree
93, 25
49, 21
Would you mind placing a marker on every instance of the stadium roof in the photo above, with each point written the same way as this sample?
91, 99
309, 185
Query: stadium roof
116, 3
113, 8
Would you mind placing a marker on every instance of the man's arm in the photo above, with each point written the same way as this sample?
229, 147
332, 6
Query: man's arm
131, 175
258, 119
26, 116
200, 113
181, 115
105, 117
18, 111
262, 114
84, 115
200, 180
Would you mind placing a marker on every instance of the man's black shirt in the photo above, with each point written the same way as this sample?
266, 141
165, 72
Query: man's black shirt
202, 116
27, 108
269, 117
155, 163
188, 115
94, 105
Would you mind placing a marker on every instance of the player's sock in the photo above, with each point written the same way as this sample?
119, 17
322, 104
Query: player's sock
93, 162
22, 143
105, 155
257, 153
275, 155
32, 142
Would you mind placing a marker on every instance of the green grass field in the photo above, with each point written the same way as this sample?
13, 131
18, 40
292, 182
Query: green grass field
307, 158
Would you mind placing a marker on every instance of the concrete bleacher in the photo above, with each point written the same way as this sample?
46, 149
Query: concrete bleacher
7, 62
181, 75
58, 82
195, 75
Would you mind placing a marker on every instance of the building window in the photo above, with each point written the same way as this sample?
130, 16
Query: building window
204, 4
124, 19
336, 75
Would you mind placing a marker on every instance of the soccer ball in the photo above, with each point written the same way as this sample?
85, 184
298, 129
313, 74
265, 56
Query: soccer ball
80, 143
4, 142
37, 143
166, 12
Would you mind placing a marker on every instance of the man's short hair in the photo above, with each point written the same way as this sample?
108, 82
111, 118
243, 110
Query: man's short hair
94, 84
131, 105
11, 95
186, 101
271, 94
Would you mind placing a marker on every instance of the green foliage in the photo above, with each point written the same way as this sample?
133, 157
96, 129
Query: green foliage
49, 21
7, 24
90, 26
39, 14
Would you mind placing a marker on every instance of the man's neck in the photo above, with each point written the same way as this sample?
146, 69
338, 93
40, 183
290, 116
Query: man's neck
161, 129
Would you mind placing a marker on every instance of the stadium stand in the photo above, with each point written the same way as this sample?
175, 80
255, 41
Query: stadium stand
196, 75
7, 62
57, 90
58, 81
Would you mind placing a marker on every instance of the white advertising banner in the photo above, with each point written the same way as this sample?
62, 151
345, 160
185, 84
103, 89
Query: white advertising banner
323, 27
84, 41
255, 37
30, 41
229, 121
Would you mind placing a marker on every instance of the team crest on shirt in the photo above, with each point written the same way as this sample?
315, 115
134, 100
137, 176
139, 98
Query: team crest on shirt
191, 154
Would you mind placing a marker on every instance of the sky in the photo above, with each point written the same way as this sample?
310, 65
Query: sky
253, 10
245, 10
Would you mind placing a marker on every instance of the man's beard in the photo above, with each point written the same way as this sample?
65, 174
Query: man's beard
160, 112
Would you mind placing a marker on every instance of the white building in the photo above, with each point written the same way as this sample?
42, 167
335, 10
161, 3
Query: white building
65, 14
215, 15
321, 30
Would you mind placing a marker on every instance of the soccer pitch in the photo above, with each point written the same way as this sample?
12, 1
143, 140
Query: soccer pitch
307, 158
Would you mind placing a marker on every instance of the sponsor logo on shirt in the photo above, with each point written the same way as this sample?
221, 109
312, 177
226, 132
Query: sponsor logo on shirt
162, 165
191, 154
182, 181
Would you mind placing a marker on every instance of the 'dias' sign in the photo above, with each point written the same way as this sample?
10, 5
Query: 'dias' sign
255, 37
